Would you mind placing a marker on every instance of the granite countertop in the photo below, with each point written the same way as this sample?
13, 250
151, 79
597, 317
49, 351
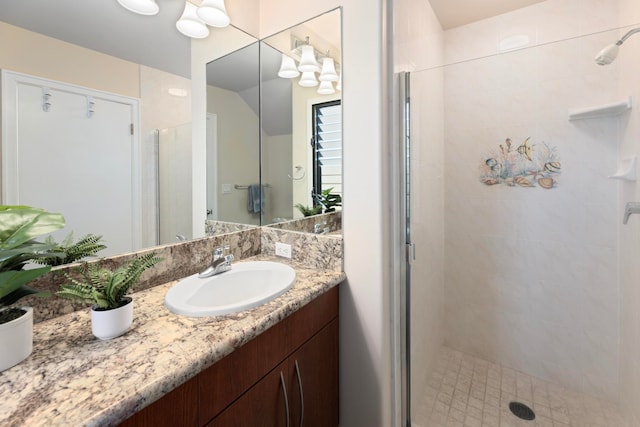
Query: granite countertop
74, 379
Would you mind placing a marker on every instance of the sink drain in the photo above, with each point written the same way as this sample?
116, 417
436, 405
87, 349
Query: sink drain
522, 411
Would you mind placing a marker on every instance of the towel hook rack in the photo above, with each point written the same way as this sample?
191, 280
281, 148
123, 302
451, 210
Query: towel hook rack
298, 169
244, 187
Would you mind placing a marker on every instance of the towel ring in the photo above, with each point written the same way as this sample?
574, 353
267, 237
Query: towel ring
298, 169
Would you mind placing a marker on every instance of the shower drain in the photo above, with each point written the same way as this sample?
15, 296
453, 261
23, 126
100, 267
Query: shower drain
522, 411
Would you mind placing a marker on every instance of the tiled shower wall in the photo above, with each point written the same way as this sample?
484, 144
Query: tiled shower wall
629, 69
531, 273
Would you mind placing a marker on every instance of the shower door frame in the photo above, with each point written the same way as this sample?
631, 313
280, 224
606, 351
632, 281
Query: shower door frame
406, 247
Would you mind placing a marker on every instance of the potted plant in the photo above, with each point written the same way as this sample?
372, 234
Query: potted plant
328, 200
67, 252
307, 211
105, 289
19, 226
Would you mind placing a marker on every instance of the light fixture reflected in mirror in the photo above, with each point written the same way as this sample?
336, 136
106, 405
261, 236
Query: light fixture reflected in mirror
288, 68
141, 7
308, 79
308, 62
213, 13
326, 88
190, 23
328, 73
308, 65
194, 20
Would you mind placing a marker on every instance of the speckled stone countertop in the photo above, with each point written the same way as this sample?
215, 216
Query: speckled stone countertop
74, 379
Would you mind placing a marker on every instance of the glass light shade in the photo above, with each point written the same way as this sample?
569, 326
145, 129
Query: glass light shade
308, 60
308, 79
288, 68
339, 84
328, 73
213, 13
142, 7
190, 24
326, 88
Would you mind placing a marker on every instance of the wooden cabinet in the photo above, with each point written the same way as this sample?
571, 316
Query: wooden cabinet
304, 387
176, 408
313, 378
290, 370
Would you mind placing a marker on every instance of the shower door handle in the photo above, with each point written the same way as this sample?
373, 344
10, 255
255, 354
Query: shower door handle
411, 252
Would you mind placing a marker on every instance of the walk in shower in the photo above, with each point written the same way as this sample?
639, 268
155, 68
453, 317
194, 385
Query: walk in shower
524, 281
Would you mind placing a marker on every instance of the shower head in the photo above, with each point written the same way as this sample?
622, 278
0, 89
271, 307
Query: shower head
607, 55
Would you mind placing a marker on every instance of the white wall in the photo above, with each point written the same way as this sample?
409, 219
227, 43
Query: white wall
629, 234
531, 273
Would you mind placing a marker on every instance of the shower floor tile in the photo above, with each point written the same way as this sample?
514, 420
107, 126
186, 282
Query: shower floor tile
465, 391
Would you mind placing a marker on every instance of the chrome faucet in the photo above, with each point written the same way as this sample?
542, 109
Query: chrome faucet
219, 264
320, 228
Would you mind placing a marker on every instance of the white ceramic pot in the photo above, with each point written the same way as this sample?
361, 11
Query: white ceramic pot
107, 324
17, 340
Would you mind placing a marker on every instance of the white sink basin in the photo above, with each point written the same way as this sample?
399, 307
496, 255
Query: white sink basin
246, 285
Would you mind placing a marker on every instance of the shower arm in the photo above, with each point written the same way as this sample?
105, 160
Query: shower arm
627, 35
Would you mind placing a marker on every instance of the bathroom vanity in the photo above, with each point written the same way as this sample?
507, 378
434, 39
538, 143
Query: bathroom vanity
289, 371
182, 371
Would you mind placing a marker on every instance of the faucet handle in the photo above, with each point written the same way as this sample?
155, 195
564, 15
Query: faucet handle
219, 252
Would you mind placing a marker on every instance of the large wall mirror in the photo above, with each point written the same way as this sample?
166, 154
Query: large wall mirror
299, 128
146, 61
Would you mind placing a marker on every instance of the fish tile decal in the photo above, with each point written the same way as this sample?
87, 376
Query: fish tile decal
527, 165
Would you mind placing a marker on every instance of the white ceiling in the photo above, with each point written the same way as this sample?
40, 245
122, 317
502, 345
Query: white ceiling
454, 13
105, 26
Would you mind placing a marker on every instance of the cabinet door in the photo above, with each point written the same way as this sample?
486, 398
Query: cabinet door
313, 371
177, 408
263, 405
229, 378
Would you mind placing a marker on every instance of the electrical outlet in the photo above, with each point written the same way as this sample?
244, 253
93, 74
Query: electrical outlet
283, 250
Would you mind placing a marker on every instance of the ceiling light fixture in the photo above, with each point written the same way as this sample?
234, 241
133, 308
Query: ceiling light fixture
308, 64
142, 7
190, 23
194, 20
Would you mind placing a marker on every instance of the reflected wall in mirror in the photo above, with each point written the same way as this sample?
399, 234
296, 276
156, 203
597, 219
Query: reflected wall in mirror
233, 137
301, 120
163, 100
260, 126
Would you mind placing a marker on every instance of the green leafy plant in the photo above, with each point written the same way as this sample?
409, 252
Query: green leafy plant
86, 246
104, 287
328, 201
19, 227
307, 211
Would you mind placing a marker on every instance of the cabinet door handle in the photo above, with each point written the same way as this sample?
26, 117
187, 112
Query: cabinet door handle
301, 393
286, 400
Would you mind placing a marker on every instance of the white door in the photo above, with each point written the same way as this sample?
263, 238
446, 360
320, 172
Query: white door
72, 150
212, 167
